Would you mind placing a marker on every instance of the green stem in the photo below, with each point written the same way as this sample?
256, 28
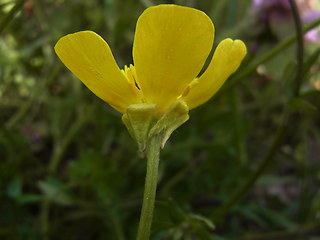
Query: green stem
235, 100
113, 216
61, 145
44, 216
54, 162
300, 47
6, 20
153, 151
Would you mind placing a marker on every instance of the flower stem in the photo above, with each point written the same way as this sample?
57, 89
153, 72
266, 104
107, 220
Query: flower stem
153, 151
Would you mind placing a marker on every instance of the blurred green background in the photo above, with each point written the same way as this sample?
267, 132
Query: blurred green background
245, 166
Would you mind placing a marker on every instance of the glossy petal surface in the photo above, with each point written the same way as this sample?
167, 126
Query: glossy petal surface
89, 57
170, 47
225, 61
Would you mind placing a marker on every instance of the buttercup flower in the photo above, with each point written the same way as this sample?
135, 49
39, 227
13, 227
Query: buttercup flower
171, 45
170, 48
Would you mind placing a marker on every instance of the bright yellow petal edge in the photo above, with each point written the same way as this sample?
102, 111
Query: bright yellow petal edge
225, 61
89, 57
170, 47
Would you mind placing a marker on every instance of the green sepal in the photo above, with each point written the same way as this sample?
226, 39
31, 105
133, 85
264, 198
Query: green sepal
170, 121
143, 121
138, 120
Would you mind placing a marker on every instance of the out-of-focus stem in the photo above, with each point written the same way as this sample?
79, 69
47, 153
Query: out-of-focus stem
7, 18
266, 57
300, 49
220, 212
282, 129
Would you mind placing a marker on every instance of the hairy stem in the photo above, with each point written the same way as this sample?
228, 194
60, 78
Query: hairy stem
153, 151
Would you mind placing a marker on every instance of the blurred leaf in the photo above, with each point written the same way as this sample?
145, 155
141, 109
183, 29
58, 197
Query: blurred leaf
311, 61
206, 221
216, 237
29, 198
15, 188
176, 213
179, 224
276, 218
302, 105
288, 77
250, 212
54, 192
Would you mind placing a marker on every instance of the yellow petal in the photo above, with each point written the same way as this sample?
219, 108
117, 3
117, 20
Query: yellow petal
226, 60
89, 57
170, 47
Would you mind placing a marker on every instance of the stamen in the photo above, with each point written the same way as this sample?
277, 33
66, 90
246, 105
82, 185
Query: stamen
189, 87
130, 74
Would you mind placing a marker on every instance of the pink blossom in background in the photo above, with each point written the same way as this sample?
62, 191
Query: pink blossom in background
307, 17
280, 9
258, 5
270, 6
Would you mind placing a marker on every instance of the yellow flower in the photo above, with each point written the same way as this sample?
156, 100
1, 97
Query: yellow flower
170, 48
